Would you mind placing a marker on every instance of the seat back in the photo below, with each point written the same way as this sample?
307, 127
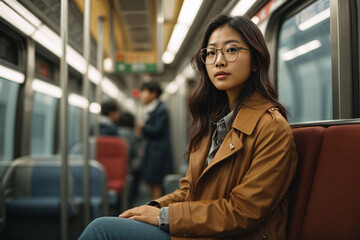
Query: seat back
308, 143
333, 209
111, 152
98, 185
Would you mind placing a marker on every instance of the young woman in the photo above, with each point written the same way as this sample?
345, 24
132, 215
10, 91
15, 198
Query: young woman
242, 155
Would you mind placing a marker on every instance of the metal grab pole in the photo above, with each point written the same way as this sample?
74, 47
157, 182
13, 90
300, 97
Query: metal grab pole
100, 58
63, 121
85, 132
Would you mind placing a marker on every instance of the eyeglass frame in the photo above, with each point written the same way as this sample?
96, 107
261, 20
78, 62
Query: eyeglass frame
221, 49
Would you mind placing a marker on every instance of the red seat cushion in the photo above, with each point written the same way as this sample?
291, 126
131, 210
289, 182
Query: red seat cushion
112, 154
333, 210
308, 142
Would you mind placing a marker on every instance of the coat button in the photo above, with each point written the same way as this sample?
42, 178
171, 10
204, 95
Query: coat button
264, 236
232, 146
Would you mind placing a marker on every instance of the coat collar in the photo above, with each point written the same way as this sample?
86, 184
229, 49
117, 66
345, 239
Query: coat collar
249, 115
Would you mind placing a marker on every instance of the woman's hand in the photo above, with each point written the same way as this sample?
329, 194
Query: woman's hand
144, 213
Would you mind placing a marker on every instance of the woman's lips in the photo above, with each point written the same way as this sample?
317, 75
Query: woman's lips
221, 75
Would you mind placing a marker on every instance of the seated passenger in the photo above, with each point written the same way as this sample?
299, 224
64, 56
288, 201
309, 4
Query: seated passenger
110, 112
242, 156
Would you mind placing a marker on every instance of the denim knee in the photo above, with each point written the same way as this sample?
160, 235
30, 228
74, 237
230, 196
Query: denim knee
122, 228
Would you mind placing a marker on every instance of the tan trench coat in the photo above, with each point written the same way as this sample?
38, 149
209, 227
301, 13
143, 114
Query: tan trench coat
243, 193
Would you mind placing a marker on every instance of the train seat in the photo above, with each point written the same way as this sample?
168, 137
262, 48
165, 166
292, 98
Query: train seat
308, 142
333, 209
2, 207
111, 152
33, 189
33, 199
325, 198
98, 186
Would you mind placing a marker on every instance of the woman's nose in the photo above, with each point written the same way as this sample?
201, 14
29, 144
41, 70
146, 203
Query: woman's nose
220, 59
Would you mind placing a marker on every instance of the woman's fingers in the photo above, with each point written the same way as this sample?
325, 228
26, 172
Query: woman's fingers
143, 213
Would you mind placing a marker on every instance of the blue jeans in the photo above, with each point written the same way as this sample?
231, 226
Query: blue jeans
106, 228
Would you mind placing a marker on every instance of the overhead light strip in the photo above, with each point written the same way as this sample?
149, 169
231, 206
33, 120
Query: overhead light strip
15, 19
242, 7
46, 88
186, 17
22, 19
78, 101
12, 75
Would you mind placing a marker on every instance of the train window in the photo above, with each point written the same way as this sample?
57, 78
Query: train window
8, 100
43, 124
304, 64
74, 124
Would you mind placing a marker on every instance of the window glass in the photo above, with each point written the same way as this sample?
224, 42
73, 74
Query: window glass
304, 64
74, 124
8, 99
43, 124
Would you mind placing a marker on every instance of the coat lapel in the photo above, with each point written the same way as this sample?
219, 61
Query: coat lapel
245, 122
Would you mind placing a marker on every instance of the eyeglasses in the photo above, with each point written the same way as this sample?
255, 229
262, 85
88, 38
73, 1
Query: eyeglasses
229, 52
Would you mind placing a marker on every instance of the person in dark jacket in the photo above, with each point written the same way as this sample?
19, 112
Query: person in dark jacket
110, 112
157, 160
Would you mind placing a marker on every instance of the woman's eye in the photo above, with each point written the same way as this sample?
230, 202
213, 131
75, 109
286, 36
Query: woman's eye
231, 49
210, 53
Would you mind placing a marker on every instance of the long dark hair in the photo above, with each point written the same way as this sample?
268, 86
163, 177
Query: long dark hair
206, 102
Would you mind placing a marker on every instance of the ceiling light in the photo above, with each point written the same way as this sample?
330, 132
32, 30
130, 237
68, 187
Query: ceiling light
95, 107
315, 20
74, 59
109, 88
242, 7
78, 101
108, 65
46, 88
15, 19
168, 57
94, 75
188, 11
301, 50
12, 75
177, 37
44, 36
172, 87
23, 12
255, 19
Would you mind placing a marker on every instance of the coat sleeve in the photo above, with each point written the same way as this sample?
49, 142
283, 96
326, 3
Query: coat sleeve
178, 195
259, 192
156, 127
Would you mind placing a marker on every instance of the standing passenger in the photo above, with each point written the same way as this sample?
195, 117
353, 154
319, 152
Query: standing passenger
242, 156
157, 160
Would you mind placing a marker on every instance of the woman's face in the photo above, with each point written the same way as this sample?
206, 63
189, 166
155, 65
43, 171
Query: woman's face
229, 76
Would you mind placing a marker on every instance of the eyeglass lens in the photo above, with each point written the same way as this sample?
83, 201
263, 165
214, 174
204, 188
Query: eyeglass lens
230, 52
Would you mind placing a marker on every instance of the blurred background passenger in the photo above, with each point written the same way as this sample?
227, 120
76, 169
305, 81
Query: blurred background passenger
110, 112
157, 159
126, 125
